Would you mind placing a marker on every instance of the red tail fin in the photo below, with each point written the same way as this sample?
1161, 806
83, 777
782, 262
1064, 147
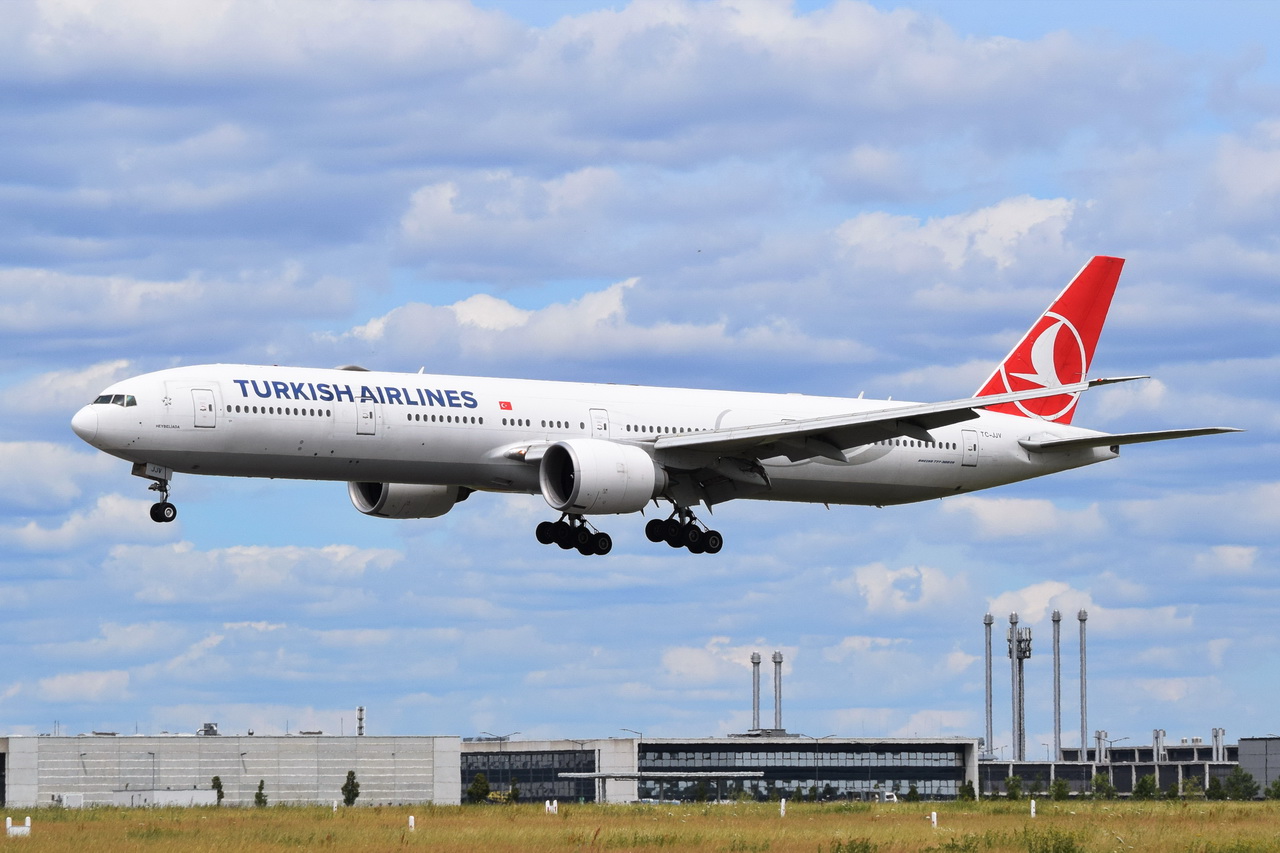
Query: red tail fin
1059, 347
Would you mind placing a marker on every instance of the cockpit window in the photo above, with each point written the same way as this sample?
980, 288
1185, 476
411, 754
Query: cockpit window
124, 400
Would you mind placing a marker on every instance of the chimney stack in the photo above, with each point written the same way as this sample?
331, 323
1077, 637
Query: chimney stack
360, 721
755, 691
777, 690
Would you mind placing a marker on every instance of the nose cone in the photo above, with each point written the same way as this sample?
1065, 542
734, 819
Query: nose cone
85, 424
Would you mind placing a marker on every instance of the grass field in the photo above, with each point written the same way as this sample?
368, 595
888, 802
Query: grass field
1198, 826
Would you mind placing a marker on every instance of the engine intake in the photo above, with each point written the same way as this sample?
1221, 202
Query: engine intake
405, 500
597, 477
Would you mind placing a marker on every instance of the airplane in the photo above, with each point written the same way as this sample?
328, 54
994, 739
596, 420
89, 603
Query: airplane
414, 445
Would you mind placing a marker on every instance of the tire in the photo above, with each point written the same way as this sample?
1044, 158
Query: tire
564, 535
655, 530
546, 532
602, 543
691, 536
163, 512
581, 538
712, 541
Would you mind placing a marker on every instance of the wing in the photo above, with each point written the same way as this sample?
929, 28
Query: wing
830, 436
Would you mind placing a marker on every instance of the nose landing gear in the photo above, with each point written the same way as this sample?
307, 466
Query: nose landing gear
162, 511
683, 530
572, 531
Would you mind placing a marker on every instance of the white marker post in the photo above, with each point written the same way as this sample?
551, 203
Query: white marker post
17, 831
933, 819
411, 826
1033, 808
784, 807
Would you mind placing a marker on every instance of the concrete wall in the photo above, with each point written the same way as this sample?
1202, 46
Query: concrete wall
293, 769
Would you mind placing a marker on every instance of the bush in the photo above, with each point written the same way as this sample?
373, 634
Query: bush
1060, 790
1013, 788
478, 790
1146, 789
260, 798
966, 793
350, 789
216, 784
1102, 787
1273, 790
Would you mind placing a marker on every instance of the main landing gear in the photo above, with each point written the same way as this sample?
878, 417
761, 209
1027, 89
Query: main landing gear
682, 530
163, 511
571, 531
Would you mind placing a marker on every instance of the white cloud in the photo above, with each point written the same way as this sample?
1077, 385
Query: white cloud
48, 475
112, 518
179, 573
1227, 560
82, 687
718, 662
904, 590
63, 391
1002, 518
995, 234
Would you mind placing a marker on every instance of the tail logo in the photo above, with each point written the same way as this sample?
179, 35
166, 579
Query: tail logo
1056, 356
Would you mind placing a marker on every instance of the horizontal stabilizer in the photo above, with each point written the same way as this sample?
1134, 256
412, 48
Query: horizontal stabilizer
1104, 440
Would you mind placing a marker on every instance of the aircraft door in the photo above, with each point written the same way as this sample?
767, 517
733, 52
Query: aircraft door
366, 417
599, 423
969, 448
206, 408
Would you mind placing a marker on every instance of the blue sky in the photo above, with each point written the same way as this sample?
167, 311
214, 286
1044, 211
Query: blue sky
823, 198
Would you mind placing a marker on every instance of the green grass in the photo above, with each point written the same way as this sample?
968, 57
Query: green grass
987, 827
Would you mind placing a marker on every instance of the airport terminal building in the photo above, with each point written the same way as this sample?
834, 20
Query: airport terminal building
178, 769
102, 769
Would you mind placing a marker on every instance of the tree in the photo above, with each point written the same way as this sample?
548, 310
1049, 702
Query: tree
1215, 790
1102, 787
1060, 789
1240, 785
513, 793
966, 792
260, 798
1171, 793
216, 784
478, 791
1273, 790
1146, 788
1013, 788
350, 789
913, 794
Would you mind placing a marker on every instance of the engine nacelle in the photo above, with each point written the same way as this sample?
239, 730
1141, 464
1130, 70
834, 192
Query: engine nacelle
591, 476
405, 500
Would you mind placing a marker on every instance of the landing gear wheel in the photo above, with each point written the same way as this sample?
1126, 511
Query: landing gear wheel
683, 530
564, 535
602, 543
712, 541
163, 512
572, 532
546, 532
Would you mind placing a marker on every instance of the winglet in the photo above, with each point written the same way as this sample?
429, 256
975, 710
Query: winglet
1058, 348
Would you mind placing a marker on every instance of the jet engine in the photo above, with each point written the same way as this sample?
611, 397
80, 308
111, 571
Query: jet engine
592, 476
405, 500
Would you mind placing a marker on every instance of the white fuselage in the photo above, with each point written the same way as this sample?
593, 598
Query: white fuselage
347, 425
